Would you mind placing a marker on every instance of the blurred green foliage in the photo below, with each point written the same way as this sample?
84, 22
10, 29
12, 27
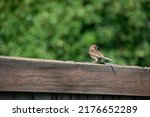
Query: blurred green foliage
64, 29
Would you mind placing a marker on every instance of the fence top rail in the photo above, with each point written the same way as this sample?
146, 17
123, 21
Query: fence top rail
37, 75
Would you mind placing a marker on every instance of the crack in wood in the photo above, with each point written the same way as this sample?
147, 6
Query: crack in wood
113, 70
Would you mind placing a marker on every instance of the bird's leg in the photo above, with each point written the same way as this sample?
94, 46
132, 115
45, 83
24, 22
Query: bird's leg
94, 62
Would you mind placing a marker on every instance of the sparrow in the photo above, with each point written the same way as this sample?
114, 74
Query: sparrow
97, 55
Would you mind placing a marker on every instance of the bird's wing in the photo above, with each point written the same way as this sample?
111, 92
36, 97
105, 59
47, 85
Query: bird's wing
96, 54
100, 54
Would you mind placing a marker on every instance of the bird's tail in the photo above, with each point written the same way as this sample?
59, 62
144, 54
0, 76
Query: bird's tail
107, 58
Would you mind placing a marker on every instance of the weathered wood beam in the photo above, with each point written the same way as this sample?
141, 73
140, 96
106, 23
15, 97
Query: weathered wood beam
36, 75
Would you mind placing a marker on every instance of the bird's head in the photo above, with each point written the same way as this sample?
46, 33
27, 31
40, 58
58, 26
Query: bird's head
94, 46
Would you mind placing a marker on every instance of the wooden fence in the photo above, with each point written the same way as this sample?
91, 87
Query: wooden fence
24, 78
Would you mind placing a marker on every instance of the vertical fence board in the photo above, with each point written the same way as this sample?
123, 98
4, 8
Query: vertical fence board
43, 96
63, 96
22, 96
95, 97
78, 97
6, 96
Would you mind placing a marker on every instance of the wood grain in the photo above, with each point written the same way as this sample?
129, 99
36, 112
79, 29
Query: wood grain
36, 75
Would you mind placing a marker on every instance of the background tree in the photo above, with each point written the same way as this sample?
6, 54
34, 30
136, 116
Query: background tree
64, 29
